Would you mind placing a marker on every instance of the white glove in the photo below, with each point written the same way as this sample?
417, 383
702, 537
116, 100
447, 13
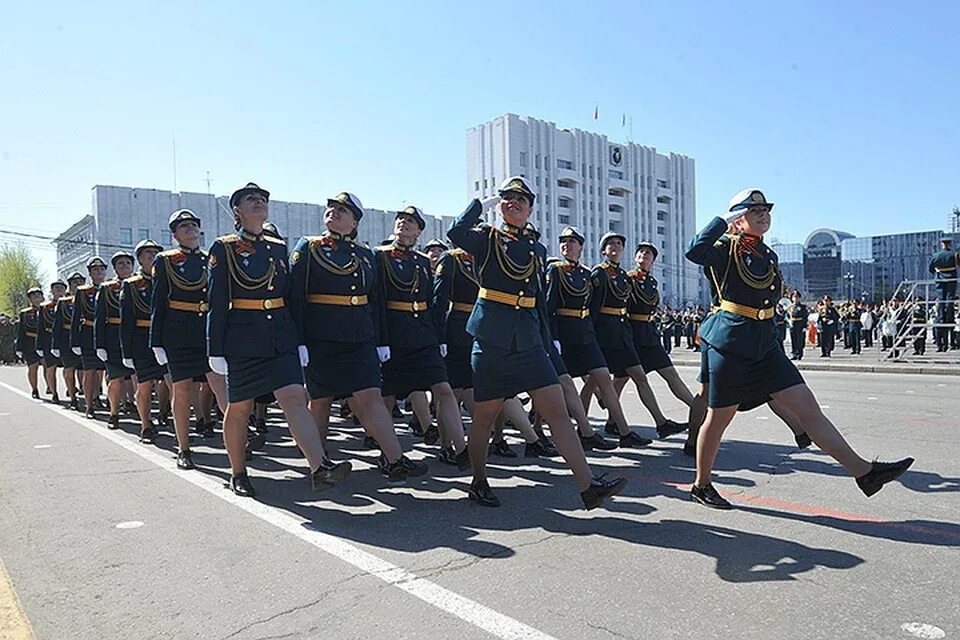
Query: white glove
218, 365
40, 352
160, 354
383, 353
489, 203
556, 345
304, 355
128, 363
102, 354
76, 350
730, 217
55, 352
443, 350
19, 354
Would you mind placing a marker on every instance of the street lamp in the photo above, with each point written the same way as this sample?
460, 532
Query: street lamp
849, 278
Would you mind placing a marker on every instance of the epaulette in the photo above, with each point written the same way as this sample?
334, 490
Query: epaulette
66, 298
85, 287
169, 252
115, 283
274, 240
26, 310
422, 255
230, 237
134, 279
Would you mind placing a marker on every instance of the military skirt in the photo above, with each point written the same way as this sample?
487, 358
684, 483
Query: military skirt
30, 356
581, 359
187, 364
500, 373
248, 378
410, 370
115, 368
747, 382
70, 360
340, 369
620, 358
49, 360
459, 371
90, 362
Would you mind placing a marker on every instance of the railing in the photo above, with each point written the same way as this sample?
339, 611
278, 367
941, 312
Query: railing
912, 293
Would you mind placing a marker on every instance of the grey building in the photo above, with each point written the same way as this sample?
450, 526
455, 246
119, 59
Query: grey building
122, 216
790, 257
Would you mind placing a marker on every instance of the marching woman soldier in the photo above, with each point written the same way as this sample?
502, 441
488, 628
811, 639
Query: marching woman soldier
608, 308
27, 334
178, 310
410, 332
48, 312
642, 304
334, 301
60, 338
252, 339
81, 333
742, 363
512, 335
434, 250
136, 296
106, 333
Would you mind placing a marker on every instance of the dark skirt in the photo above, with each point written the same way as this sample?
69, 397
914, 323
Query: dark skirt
410, 370
339, 369
90, 362
558, 365
248, 378
503, 373
619, 360
30, 356
652, 358
148, 370
459, 371
116, 370
581, 359
50, 361
187, 364
747, 382
70, 360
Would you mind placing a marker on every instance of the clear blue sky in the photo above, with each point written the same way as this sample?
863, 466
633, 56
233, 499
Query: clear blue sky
846, 113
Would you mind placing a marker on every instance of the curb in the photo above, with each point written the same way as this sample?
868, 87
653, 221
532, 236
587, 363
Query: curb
855, 368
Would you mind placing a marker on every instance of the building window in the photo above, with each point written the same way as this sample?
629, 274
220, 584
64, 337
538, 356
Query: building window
484, 183
661, 231
126, 235
143, 234
476, 185
548, 199
661, 215
167, 238
613, 173
563, 203
663, 184
523, 158
536, 160
564, 164
591, 172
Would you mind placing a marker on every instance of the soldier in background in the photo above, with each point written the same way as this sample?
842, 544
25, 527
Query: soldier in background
27, 338
943, 266
798, 314
51, 363
827, 325
81, 334
60, 338
106, 333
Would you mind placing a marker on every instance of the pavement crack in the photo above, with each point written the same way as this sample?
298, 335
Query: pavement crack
615, 634
460, 563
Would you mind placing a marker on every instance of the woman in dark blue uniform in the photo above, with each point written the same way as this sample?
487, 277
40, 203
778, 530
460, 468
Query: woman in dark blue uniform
106, 333
608, 308
27, 332
60, 338
178, 328
136, 296
512, 336
742, 363
252, 339
411, 332
81, 333
48, 312
334, 301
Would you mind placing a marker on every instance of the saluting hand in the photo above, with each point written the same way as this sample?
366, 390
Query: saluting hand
160, 354
489, 203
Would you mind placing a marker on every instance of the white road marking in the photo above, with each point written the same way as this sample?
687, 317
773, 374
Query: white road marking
909, 391
763, 417
131, 524
824, 406
42, 446
872, 398
470, 611
923, 630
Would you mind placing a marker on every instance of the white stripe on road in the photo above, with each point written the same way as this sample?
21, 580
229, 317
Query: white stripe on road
474, 613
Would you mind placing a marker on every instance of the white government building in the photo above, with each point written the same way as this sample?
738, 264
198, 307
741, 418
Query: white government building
121, 217
584, 179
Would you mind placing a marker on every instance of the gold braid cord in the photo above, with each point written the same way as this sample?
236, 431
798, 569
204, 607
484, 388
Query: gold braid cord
619, 294
751, 280
139, 305
179, 282
510, 268
85, 309
637, 293
467, 274
567, 287
331, 266
394, 279
243, 279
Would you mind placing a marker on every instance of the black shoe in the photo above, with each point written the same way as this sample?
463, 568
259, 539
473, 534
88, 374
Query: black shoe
598, 442
881, 474
35, 394
329, 473
669, 428
463, 460
611, 428
415, 427
803, 441
205, 430
709, 497
431, 435
482, 494
255, 440
539, 449
690, 449
447, 456
600, 489
185, 461
370, 443
74, 404
546, 439
55, 399
240, 485
401, 469
501, 449
632, 440
113, 423
148, 436
397, 414
90, 413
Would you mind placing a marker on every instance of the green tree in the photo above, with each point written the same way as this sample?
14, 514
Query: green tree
19, 270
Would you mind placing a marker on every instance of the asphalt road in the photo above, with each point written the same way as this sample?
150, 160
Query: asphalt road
103, 538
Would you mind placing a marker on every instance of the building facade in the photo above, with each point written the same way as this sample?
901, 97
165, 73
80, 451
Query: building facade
597, 185
121, 217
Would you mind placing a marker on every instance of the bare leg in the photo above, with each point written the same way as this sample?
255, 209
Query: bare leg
647, 397
50, 374
115, 395
789, 417
708, 441
89, 382
235, 434
421, 409
448, 416
70, 381
484, 414
575, 406
184, 393
513, 411
218, 385
293, 401
320, 410
32, 375
368, 405
608, 390
550, 404
677, 387
143, 404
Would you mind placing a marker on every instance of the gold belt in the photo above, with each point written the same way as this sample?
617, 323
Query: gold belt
31, 335
409, 307
87, 323
461, 306
340, 301
945, 269
573, 313
613, 311
113, 320
642, 317
247, 304
745, 311
191, 307
515, 300
143, 323
67, 327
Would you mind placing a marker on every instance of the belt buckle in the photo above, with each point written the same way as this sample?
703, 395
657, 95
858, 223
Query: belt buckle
623, 311
763, 314
268, 304
354, 301
203, 307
